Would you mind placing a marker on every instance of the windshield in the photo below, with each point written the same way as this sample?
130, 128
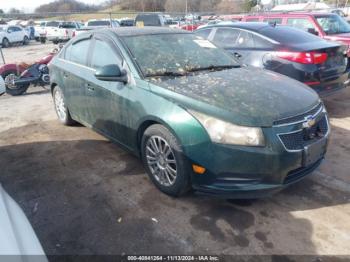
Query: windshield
176, 54
333, 24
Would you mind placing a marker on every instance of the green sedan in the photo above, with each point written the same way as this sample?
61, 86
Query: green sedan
195, 116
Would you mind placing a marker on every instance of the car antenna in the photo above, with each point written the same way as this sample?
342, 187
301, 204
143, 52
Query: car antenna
273, 23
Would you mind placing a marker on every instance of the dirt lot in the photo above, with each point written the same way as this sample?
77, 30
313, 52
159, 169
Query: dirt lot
85, 195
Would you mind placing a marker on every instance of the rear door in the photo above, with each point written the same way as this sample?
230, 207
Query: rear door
108, 101
74, 72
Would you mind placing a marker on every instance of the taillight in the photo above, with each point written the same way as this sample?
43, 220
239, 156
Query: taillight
73, 35
303, 57
66, 32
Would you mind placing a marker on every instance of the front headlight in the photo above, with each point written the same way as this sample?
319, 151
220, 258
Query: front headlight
226, 133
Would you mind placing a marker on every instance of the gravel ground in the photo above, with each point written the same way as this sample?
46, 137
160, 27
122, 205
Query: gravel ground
85, 195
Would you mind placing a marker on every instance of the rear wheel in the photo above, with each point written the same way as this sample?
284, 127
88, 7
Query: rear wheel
25, 40
60, 107
164, 161
12, 89
5, 42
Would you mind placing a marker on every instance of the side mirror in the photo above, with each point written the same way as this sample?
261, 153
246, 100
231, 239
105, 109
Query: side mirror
112, 73
312, 31
9, 31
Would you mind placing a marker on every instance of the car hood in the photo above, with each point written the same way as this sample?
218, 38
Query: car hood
16, 234
245, 96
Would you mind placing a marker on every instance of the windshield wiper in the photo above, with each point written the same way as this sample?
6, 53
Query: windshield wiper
167, 73
213, 67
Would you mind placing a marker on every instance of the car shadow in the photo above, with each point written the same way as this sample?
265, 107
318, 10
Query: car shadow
92, 197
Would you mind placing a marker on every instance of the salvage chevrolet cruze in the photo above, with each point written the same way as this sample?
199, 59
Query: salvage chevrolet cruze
194, 115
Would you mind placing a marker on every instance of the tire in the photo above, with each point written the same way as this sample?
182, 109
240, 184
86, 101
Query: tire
61, 109
5, 43
55, 42
11, 90
42, 40
160, 166
25, 40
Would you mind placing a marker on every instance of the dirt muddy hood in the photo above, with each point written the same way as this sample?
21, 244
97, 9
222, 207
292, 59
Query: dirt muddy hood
17, 238
254, 97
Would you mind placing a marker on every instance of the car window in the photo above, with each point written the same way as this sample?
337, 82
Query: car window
103, 54
245, 40
301, 23
260, 42
77, 52
273, 20
149, 20
333, 24
226, 37
53, 24
203, 33
42, 24
67, 25
99, 23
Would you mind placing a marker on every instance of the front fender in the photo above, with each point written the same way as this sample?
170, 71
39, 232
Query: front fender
11, 67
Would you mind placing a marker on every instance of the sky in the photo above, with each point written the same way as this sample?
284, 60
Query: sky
30, 5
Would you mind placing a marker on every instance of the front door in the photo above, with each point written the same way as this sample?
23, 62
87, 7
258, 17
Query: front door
108, 101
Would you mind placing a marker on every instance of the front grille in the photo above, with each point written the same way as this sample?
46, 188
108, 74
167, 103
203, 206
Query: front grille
298, 140
297, 174
299, 118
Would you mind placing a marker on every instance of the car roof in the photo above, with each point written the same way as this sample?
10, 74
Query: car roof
148, 30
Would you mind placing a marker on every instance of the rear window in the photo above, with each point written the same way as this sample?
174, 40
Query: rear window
67, 25
99, 23
149, 20
288, 35
53, 24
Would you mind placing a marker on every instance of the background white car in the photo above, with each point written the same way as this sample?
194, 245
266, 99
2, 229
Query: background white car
10, 34
2, 86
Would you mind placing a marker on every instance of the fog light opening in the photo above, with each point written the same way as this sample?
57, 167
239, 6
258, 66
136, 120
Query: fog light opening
198, 169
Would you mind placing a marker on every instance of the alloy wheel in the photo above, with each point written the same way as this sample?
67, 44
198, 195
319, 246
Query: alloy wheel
10, 81
59, 105
161, 160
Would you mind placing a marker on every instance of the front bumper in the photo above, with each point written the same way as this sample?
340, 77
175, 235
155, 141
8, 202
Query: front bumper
254, 172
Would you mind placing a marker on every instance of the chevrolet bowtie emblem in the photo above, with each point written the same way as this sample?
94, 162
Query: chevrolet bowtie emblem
309, 122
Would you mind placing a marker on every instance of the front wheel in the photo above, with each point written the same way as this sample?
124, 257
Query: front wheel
164, 161
11, 88
61, 108
25, 40
5, 42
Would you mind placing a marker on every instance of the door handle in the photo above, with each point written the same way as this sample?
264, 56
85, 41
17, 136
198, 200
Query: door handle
90, 87
237, 55
65, 75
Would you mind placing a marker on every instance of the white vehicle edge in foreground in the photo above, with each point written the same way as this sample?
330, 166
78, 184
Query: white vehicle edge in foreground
2, 86
17, 237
